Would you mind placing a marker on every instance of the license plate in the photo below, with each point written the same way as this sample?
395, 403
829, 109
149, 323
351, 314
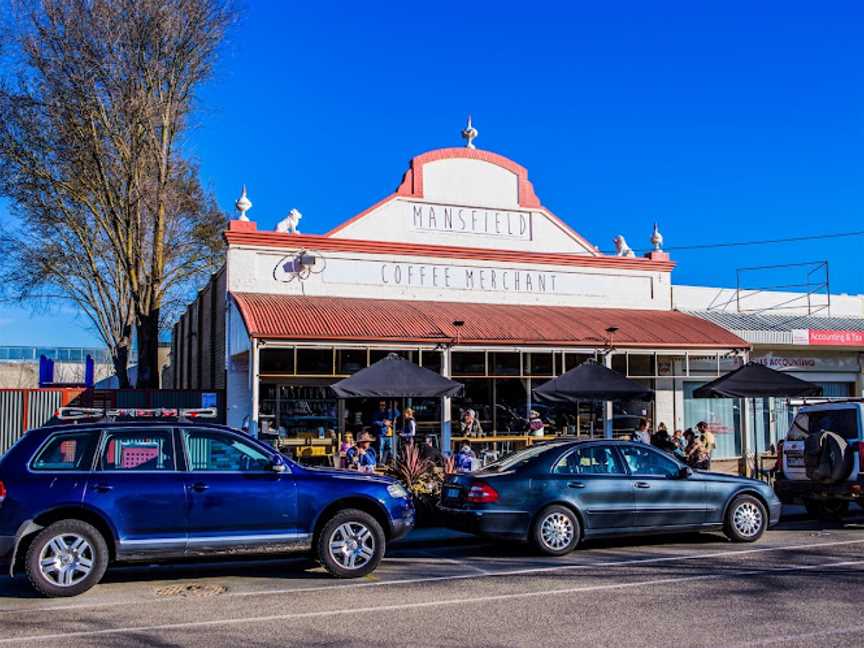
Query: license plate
452, 492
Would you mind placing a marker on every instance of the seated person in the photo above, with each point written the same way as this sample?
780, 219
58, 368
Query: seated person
466, 460
470, 426
361, 456
429, 452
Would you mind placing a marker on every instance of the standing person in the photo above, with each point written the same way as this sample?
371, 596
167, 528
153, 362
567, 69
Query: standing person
362, 457
661, 439
470, 426
409, 426
678, 440
382, 422
695, 453
706, 436
643, 432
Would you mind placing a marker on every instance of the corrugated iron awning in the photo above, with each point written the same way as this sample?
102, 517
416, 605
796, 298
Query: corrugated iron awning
296, 317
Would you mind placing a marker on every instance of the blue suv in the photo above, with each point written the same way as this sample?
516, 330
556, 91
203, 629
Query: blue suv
76, 497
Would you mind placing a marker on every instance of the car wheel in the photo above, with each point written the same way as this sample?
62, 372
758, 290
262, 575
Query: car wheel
66, 558
746, 519
556, 531
351, 544
827, 510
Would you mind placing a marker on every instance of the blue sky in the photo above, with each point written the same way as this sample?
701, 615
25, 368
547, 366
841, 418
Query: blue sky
729, 123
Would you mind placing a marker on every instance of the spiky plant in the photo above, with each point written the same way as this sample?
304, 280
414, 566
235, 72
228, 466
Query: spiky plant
412, 469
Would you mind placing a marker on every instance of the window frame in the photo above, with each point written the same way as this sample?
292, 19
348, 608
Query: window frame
187, 458
103, 443
625, 473
649, 449
47, 441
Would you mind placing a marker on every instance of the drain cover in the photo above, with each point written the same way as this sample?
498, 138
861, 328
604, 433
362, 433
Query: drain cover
190, 591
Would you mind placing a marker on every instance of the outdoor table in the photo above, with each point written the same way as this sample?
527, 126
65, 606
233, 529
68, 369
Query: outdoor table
494, 440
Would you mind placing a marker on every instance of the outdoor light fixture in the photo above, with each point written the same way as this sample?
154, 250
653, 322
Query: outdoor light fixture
307, 260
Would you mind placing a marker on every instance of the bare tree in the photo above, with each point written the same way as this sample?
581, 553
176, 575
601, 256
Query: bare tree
114, 216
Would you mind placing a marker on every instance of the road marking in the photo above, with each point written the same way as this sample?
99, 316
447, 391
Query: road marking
456, 577
807, 635
494, 598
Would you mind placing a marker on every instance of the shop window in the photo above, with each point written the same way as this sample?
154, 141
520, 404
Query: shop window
642, 365
573, 360
349, 361
541, 364
505, 364
511, 406
432, 361
469, 363
277, 361
315, 362
380, 354
723, 415
478, 397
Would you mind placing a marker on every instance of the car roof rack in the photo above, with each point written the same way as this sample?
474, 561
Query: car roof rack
824, 400
74, 414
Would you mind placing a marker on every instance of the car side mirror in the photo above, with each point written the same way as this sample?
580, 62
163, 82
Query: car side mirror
684, 472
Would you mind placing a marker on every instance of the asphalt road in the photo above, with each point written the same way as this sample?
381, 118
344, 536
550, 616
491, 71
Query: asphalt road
801, 585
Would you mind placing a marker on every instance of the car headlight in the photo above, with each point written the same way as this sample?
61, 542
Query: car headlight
397, 490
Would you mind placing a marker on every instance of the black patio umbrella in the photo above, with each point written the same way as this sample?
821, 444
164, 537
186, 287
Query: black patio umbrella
591, 381
396, 377
754, 380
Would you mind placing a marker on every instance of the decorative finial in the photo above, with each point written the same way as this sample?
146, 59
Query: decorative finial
243, 205
657, 239
469, 133
621, 247
288, 225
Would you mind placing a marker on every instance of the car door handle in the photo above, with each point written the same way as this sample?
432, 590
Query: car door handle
642, 485
199, 487
103, 488
576, 484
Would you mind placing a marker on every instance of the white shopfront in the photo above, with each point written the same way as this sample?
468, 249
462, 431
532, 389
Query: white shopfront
464, 271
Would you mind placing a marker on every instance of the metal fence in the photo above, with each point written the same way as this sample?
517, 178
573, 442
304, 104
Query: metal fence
24, 409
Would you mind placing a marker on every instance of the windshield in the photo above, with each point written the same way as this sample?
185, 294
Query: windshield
518, 458
840, 421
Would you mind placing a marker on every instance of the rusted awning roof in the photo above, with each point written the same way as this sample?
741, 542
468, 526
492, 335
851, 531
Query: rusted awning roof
296, 317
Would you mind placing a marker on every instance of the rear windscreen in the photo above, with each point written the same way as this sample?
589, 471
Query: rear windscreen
842, 421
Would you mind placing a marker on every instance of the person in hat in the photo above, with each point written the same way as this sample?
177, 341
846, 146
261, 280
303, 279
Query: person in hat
535, 424
362, 456
470, 426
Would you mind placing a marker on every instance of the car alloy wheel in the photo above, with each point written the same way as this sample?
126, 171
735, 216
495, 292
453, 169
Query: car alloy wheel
556, 531
352, 545
66, 560
747, 519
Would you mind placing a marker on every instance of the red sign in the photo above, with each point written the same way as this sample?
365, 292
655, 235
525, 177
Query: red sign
836, 338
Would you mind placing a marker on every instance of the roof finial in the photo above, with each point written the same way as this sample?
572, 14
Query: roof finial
657, 239
243, 205
469, 133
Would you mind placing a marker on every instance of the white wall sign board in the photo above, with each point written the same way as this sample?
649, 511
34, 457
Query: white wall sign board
377, 277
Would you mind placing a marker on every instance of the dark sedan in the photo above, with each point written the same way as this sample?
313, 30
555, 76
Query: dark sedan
560, 493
